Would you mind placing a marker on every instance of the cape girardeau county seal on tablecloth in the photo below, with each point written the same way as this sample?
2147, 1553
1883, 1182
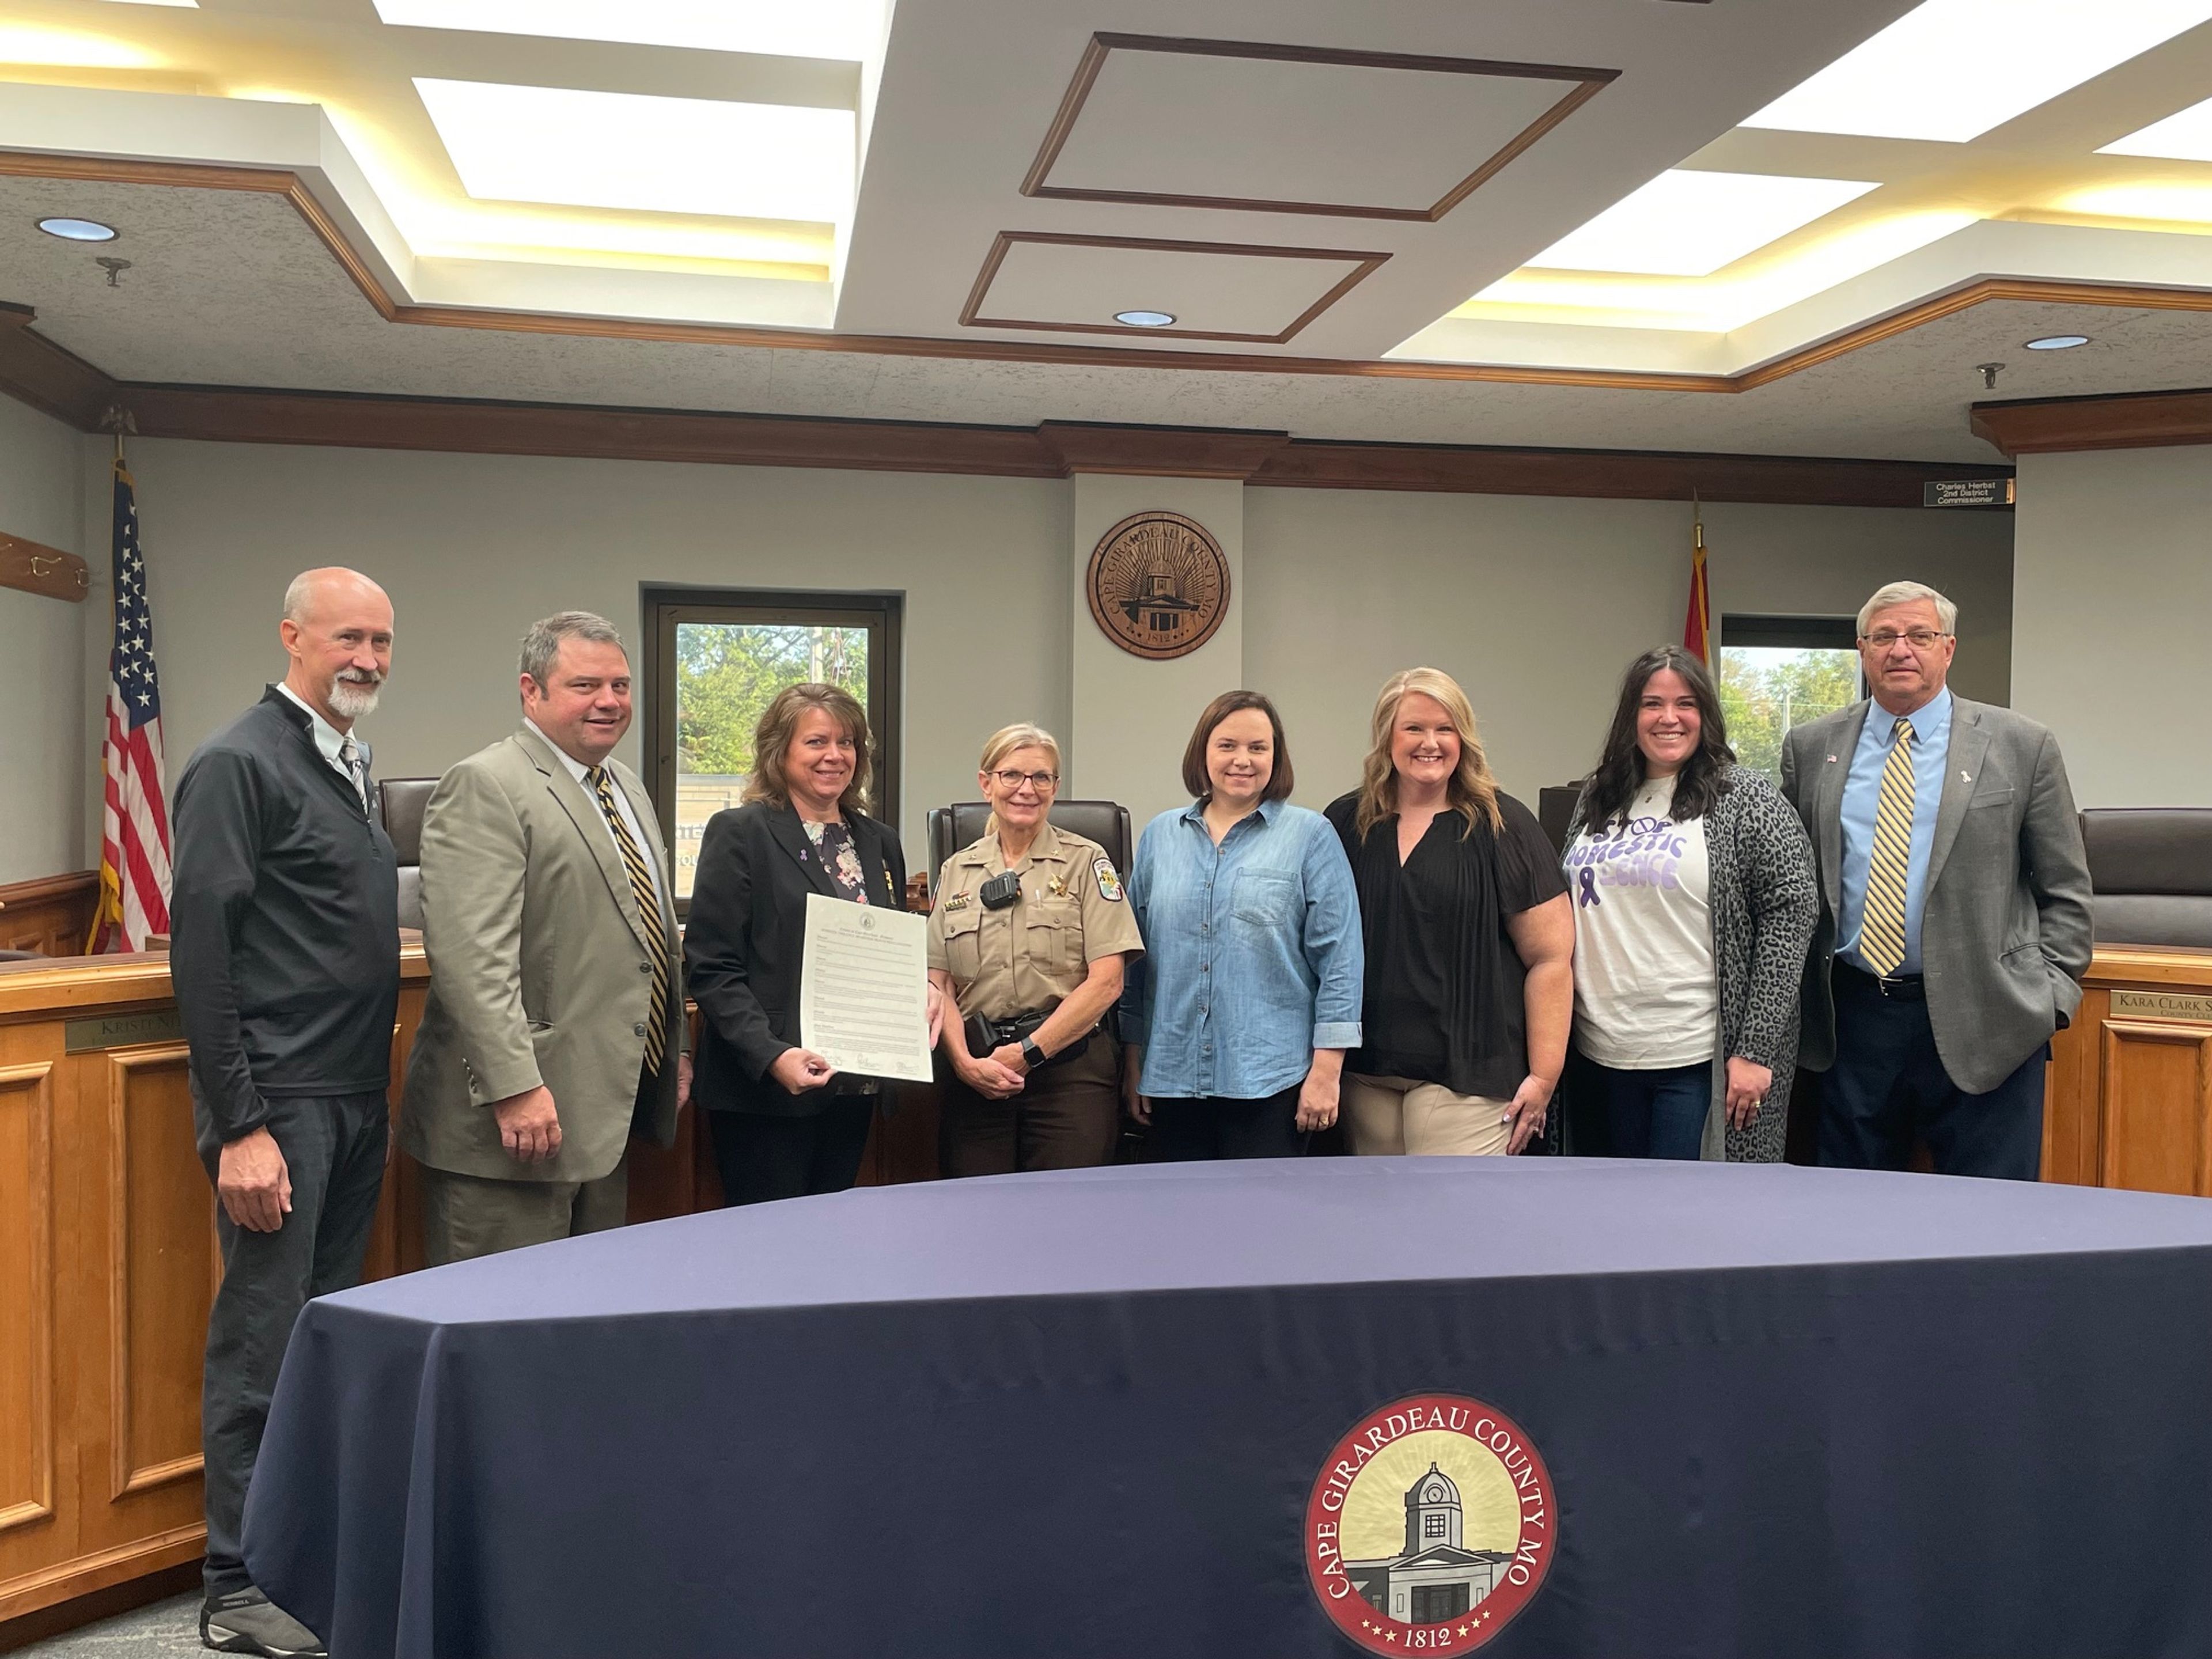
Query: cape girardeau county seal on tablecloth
1431, 1525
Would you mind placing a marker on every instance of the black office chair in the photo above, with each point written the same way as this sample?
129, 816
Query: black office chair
401, 802
2151, 874
951, 828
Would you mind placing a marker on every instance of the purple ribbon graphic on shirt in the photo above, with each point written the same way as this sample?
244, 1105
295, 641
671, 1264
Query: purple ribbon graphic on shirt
1590, 887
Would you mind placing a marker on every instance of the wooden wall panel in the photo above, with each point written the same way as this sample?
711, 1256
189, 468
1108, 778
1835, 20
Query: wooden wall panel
162, 1223
2157, 1120
27, 1298
52, 916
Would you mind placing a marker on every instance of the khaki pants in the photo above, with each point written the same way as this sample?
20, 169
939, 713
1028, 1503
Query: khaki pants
467, 1215
1389, 1116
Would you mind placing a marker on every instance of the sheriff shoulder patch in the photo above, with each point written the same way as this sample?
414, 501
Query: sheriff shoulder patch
1110, 884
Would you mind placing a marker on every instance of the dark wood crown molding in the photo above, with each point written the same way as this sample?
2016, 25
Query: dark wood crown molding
1582, 85
2127, 420
1054, 449
35, 371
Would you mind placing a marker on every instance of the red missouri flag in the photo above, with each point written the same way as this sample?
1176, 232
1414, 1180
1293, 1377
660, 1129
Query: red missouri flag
134, 843
1698, 626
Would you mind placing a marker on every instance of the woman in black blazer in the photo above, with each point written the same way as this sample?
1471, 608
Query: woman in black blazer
785, 1124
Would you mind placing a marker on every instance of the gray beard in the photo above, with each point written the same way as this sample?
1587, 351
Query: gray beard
352, 699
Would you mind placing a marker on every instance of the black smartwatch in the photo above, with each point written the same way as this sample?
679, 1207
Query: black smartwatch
1032, 1056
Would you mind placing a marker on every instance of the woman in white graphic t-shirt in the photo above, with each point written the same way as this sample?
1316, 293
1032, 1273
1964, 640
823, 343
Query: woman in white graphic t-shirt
1694, 902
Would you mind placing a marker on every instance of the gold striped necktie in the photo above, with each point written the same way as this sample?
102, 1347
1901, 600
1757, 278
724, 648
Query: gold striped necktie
649, 908
1881, 930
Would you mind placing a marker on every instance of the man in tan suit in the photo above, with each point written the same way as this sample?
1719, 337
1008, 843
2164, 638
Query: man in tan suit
554, 1024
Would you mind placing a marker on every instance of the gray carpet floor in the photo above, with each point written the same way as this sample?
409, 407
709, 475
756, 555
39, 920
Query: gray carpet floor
166, 1630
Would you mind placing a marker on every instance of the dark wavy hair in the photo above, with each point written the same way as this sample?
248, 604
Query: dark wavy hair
1613, 784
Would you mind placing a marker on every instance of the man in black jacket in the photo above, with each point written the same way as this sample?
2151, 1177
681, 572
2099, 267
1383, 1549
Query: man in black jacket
285, 955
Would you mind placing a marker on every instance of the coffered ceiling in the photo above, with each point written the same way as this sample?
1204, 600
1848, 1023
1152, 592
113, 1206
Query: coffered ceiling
1530, 221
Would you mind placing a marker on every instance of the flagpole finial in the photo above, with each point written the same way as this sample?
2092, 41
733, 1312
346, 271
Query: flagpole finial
119, 420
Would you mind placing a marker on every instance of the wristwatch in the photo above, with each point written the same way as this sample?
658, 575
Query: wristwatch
1032, 1056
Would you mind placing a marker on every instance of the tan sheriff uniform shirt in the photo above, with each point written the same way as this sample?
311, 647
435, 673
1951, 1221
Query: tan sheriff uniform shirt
1035, 951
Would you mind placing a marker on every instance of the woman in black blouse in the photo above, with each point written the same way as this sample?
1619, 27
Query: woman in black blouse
1470, 938
785, 1123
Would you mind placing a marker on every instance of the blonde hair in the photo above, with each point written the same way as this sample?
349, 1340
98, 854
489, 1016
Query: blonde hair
1006, 741
1471, 791
779, 724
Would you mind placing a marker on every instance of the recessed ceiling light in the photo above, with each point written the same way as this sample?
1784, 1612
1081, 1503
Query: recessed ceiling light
2059, 343
2186, 137
78, 230
618, 149
1690, 224
849, 29
1952, 70
1144, 318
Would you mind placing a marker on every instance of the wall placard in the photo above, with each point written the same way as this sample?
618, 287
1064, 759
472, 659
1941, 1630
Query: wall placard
1159, 585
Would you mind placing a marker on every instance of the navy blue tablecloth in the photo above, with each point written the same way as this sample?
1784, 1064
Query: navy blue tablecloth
1734, 1411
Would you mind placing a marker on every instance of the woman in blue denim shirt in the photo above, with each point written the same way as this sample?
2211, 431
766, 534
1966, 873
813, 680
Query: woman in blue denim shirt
1236, 1026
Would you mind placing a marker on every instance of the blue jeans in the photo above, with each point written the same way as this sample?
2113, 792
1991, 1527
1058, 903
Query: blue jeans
1658, 1114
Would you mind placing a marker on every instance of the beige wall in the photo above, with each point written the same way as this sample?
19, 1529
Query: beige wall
42, 647
1132, 717
2112, 636
473, 549
1537, 606
1535, 603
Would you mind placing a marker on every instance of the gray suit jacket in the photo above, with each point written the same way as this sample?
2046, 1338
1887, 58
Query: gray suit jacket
538, 969
2004, 929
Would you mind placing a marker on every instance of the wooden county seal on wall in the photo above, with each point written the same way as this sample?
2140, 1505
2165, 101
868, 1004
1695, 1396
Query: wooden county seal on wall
1159, 585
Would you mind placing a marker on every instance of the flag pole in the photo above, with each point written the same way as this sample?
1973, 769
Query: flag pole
1697, 625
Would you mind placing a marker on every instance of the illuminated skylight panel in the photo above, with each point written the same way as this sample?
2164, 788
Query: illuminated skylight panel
613, 149
847, 29
1690, 224
2186, 137
1952, 70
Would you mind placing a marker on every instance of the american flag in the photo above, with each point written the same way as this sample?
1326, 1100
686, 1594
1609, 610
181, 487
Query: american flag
134, 843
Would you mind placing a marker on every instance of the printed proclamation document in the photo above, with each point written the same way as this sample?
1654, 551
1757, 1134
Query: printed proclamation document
864, 989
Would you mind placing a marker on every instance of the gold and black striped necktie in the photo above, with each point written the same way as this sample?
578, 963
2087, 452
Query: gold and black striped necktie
648, 907
1881, 930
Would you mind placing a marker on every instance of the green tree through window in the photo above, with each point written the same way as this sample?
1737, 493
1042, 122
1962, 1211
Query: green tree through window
1766, 691
727, 673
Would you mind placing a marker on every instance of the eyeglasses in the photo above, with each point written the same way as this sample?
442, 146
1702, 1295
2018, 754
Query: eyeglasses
1042, 782
1920, 639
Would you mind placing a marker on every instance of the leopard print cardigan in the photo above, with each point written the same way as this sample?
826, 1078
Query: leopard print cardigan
1765, 900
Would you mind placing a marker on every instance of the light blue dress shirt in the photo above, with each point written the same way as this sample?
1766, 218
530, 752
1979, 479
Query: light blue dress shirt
1931, 748
1253, 953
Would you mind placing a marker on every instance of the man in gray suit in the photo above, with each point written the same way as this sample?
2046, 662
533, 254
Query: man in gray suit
1955, 926
555, 1025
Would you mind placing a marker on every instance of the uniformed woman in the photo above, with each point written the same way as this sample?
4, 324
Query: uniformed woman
1028, 934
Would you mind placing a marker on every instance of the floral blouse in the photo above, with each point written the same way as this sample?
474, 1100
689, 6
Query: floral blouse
833, 843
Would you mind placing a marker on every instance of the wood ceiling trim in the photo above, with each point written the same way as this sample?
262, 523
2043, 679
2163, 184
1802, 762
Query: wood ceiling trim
1618, 474
1363, 265
1054, 449
278, 182
2134, 420
1584, 84
35, 371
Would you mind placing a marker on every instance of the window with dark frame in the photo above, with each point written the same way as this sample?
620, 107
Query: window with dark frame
1777, 672
714, 657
